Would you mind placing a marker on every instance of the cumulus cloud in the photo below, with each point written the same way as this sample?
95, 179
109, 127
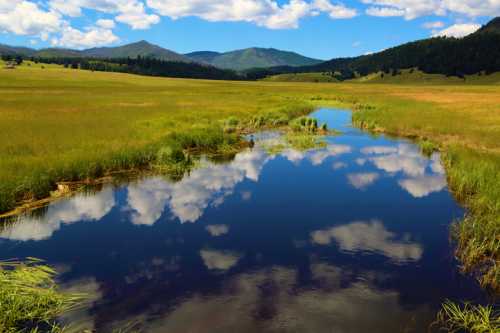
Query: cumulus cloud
27, 18
411, 9
89, 37
265, 13
458, 30
105, 24
131, 12
369, 236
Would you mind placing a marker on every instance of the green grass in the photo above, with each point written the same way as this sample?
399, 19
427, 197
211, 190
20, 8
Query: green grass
29, 298
468, 318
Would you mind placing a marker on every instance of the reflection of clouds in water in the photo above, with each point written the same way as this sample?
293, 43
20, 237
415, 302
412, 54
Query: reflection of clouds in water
271, 293
219, 260
189, 197
81, 320
318, 156
217, 230
379, 150
147, 199
339, 165
82, 207
369, 236
407, 158
422, 186
362, 180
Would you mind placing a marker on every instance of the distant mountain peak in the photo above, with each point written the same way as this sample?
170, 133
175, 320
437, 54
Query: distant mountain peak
252, 57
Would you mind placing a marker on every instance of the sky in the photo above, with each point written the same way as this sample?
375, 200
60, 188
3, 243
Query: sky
322, 29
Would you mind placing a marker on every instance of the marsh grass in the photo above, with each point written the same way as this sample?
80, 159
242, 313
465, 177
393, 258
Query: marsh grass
475, 178
468, 318
29, 298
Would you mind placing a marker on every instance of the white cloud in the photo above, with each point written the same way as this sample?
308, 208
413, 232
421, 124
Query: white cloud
411, 9
385, 11
458, 30
90, 37
265, 13
106, 24
362, 180
27, 18
369, 236
433, 25
131, 12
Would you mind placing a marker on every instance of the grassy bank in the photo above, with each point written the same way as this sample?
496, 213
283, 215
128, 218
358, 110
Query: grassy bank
29, 298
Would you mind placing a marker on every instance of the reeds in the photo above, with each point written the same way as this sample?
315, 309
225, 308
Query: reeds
29, 298
468, 318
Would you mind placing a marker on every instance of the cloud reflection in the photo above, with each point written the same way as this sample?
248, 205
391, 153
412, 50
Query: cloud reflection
362, 180
268, 300
188, 198
219, 260
371, 237
82, 207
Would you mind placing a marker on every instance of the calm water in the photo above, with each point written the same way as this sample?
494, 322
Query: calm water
350, 238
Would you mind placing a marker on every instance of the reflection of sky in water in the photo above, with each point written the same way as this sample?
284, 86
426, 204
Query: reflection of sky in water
297, 241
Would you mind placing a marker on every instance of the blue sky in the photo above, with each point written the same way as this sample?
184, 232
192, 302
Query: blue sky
317, 28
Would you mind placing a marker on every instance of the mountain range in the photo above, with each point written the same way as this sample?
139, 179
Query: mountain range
235, 60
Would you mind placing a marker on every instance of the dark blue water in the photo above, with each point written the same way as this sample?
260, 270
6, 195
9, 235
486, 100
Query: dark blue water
353, 237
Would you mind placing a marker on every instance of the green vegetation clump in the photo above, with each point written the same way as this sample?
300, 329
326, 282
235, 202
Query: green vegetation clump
468, 318
427, 147
29, 298
474, 178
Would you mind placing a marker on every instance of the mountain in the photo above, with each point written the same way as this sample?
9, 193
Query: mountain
252, 58
492, 27
473, 54
203, 56
57, 53
142, 48
14, 50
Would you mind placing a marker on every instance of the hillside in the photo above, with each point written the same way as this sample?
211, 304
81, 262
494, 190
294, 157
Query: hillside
473, 54
203, 56
142, 48
14, 50
252, 58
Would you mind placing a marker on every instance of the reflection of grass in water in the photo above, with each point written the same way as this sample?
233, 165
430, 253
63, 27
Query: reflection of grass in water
29, 298
468, 318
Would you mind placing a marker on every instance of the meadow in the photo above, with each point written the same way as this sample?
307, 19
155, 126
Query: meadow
65, 125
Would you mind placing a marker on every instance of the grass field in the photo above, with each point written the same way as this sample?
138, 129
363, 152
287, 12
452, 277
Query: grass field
61, 124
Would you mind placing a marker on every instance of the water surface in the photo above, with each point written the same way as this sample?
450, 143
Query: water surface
353, 237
